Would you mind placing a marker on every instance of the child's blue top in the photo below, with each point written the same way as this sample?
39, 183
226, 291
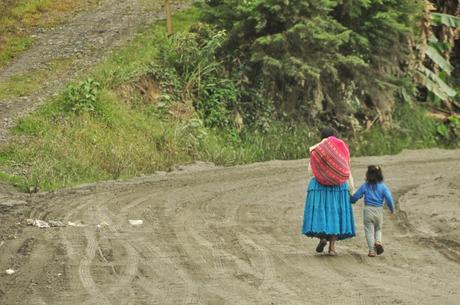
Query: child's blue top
374, 194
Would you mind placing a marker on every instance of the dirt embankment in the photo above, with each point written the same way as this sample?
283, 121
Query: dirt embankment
84, 41
232, 236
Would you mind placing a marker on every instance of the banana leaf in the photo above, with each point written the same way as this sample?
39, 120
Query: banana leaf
435, 84
438, 59
445, 19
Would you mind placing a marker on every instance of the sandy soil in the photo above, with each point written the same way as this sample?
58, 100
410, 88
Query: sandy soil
232, 236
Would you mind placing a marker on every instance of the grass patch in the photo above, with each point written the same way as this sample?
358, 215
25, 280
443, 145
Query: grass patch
57, 149
12, 46
26, 84
19, 18
13, 180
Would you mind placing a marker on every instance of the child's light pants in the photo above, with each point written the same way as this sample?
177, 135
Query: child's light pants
373, 220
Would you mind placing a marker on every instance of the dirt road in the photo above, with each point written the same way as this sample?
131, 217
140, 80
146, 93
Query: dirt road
232, 236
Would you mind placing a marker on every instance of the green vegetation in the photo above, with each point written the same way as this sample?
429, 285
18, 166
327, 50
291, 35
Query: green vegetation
438, 82
412, 129
162, 101
105, 127
322, 62
25, 84
90, 133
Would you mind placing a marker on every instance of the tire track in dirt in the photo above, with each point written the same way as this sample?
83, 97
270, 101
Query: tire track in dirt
84, 255
84, 270
269, 284
151, 251
232, 236
125, 276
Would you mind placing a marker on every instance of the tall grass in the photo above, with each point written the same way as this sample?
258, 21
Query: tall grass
55, 150
278, 142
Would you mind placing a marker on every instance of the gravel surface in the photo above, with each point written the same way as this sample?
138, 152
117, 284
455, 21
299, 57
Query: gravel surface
87, 37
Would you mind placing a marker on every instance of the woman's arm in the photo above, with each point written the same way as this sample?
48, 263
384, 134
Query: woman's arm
351, 183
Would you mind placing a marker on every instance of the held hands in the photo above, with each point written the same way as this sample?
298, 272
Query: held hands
350, 193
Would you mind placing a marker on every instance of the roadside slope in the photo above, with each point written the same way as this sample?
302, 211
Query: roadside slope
74, 47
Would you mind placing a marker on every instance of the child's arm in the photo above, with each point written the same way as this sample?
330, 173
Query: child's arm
388, 198
358, 195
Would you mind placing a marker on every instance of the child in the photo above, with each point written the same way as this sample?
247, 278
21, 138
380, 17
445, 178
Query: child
374, 191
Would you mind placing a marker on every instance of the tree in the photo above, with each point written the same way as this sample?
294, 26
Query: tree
327, 61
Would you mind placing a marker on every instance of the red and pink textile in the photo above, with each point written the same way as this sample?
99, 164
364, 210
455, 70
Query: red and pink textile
330, 161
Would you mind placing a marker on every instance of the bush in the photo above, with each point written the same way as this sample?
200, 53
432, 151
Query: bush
82, 98
186, 69
449, 131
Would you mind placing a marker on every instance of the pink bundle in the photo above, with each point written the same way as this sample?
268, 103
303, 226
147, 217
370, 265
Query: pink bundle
330, 161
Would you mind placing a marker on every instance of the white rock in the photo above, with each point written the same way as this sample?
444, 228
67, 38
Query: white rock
38, 223
74, 224
135, 222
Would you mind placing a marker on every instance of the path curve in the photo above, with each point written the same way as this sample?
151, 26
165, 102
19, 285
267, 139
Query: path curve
232, 236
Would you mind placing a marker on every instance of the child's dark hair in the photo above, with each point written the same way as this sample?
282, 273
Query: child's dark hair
328, 132
374, 174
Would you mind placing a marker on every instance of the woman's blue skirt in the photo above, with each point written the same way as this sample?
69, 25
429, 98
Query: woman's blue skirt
328, 211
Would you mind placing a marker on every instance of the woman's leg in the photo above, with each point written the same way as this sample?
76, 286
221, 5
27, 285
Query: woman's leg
332, 240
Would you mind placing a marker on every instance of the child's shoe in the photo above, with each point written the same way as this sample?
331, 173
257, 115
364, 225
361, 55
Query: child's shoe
371, 254
378, 248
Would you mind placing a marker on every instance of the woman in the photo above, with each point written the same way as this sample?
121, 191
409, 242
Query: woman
328, 212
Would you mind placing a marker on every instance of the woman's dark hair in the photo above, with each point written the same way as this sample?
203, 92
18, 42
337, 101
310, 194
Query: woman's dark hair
328, 132
374, 174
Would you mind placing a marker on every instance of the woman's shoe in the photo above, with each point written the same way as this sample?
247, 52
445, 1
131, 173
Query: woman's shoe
320, 247
371, 254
